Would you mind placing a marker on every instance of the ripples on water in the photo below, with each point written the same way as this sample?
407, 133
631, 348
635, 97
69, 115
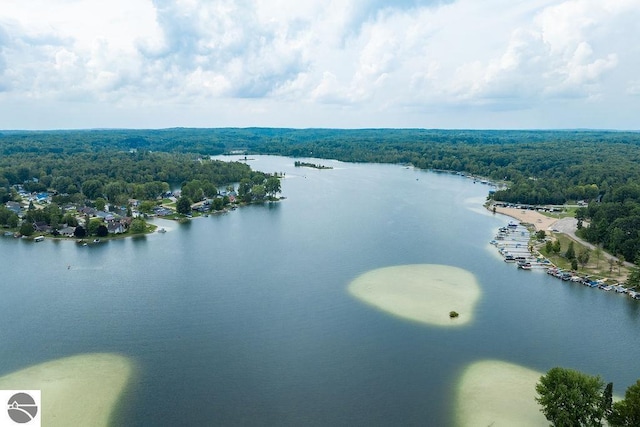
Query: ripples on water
245, 319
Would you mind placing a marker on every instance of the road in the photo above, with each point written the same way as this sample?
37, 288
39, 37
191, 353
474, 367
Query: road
569, 226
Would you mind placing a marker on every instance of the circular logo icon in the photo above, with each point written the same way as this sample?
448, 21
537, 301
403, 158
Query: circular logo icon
22, 408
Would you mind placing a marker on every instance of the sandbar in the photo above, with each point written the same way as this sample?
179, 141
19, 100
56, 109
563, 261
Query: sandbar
539, 221
424, 293
496, 393
79, 390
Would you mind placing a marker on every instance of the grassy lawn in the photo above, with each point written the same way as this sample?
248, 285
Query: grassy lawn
568, 211
595, 268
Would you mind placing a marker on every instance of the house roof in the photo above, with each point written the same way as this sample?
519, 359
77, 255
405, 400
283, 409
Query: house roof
114, 227
41, 226
13, 207
67, 230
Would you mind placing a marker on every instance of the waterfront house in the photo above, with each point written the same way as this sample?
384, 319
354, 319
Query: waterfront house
162, 211
115, 227
67, 231
42, 227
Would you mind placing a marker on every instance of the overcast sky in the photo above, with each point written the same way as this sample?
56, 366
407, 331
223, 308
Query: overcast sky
320, 63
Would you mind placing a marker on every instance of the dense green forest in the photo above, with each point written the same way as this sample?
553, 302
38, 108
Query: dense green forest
540, 167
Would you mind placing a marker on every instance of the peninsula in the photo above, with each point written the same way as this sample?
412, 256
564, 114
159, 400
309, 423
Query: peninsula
117, 165
81, 189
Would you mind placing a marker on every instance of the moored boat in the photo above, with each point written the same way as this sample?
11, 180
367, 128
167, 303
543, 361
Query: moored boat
524, 265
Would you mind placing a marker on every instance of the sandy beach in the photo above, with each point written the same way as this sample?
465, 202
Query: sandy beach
422, 293
76, 391
497, 393
539, 221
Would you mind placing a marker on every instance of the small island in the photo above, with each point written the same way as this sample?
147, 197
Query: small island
300, 164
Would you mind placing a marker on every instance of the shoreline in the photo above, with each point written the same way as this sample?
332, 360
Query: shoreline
153, 228
535, 219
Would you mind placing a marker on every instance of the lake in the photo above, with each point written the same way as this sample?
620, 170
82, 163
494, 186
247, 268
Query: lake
244, 318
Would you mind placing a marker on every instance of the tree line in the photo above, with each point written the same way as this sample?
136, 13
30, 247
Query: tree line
115, 175
614, 223
539, 167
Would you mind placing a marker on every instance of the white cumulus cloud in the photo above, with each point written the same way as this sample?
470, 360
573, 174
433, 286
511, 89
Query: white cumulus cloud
424, 63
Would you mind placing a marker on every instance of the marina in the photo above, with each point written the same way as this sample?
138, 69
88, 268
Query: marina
254, 306
514, 243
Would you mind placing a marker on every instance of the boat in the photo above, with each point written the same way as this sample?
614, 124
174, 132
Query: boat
524, 265
38, 239
509, 258
162, 230
96, 240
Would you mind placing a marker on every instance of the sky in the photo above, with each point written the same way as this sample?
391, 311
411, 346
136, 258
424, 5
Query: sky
451, 64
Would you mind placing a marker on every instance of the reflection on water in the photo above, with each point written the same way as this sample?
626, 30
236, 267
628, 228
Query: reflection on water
243, 318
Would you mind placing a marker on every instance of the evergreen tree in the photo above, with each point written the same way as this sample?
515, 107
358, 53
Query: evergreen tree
548, 247
607, 399
626, 413
633, 280
620, 262
570, 254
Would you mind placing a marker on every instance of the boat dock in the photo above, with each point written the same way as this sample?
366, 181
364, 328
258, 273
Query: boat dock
514, 244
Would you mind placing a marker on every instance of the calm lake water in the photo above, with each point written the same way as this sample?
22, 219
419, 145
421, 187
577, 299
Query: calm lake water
244, 318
